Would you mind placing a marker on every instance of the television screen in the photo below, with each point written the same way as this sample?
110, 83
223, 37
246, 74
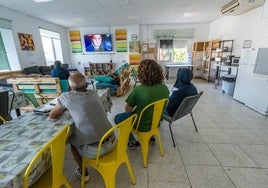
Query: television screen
98, 42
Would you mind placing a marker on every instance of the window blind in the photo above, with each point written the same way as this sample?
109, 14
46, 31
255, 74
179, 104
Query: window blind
5, 23
173, 33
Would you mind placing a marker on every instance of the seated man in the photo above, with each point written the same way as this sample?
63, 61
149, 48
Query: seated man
184, 88
90, 121
59, 71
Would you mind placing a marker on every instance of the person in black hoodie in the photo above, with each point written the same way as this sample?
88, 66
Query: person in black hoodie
184, 88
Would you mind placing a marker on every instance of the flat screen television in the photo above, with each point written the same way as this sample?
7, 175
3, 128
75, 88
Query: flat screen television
98, 42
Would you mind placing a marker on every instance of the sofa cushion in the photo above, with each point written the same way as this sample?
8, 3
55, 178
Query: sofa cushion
103, 78
31, 70
45, 70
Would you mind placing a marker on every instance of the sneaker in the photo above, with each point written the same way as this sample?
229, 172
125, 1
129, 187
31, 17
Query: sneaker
133, 144
152, 140
78, 174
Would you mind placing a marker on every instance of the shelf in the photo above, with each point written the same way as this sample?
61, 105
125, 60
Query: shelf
95, 69
198, 56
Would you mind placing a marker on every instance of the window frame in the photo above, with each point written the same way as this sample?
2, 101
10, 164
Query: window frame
56, 50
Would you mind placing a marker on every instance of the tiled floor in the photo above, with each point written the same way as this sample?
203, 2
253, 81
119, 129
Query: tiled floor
229, 150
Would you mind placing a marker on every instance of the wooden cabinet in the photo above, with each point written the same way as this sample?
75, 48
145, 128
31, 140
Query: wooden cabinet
210, 60
208, 56
197, 57
224, 51
95, 69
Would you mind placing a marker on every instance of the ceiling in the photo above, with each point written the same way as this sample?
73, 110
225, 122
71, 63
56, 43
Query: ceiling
97, 13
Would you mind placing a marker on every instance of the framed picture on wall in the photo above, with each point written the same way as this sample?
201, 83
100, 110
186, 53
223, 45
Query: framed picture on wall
26, 42
247, 44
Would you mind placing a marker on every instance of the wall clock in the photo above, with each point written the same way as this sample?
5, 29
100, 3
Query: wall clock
134, 37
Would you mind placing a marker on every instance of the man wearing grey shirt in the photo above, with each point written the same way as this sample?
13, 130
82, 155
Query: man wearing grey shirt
90, 121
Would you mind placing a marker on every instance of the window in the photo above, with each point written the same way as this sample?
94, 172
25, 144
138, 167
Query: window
51, 45
165, 50
8, 53
4, 65
172, 50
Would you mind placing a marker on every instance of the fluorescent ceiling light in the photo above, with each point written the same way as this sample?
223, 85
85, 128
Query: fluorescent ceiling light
42, 1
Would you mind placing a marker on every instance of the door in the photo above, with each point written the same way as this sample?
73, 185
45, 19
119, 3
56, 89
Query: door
244, 75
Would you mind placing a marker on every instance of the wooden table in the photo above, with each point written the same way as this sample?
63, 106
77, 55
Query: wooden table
168, 66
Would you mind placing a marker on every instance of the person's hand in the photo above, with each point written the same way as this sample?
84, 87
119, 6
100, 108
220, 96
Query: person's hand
56, 111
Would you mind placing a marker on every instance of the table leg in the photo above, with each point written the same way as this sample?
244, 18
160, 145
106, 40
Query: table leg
18, 112
167, 73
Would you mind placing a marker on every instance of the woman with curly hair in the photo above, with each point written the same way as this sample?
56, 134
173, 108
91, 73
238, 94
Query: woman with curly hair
150, 90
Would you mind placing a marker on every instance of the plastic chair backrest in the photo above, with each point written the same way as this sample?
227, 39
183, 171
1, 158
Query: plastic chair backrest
124, 128
186, 106
157, 107
4, 103
32, 99
64, 85
57, 150
5, 108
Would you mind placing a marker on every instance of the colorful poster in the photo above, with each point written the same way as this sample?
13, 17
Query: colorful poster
134, 59
134, 46
120, 38
26, 42
121, 46
75, 39
121, 34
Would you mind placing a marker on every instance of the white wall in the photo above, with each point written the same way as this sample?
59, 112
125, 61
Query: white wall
144, 32
25, 24
252, 25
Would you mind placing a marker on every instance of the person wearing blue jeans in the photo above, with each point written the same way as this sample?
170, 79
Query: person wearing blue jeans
150, 90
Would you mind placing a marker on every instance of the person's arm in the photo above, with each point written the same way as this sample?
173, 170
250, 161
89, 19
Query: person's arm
128, 108
57, 111
67, 73
174, 100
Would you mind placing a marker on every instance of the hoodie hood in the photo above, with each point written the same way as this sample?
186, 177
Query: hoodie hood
184, 77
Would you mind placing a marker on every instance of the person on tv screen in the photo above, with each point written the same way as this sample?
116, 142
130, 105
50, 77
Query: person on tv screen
96, 42
99, 42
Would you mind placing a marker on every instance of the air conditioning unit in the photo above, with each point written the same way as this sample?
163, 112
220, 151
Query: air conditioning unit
238, 7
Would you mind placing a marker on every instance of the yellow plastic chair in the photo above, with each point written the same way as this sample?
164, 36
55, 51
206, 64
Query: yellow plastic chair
144, 137
54, 177
108, 164
3, 121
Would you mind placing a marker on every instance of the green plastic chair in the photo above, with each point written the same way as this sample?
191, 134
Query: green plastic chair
64, 85
33, 100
